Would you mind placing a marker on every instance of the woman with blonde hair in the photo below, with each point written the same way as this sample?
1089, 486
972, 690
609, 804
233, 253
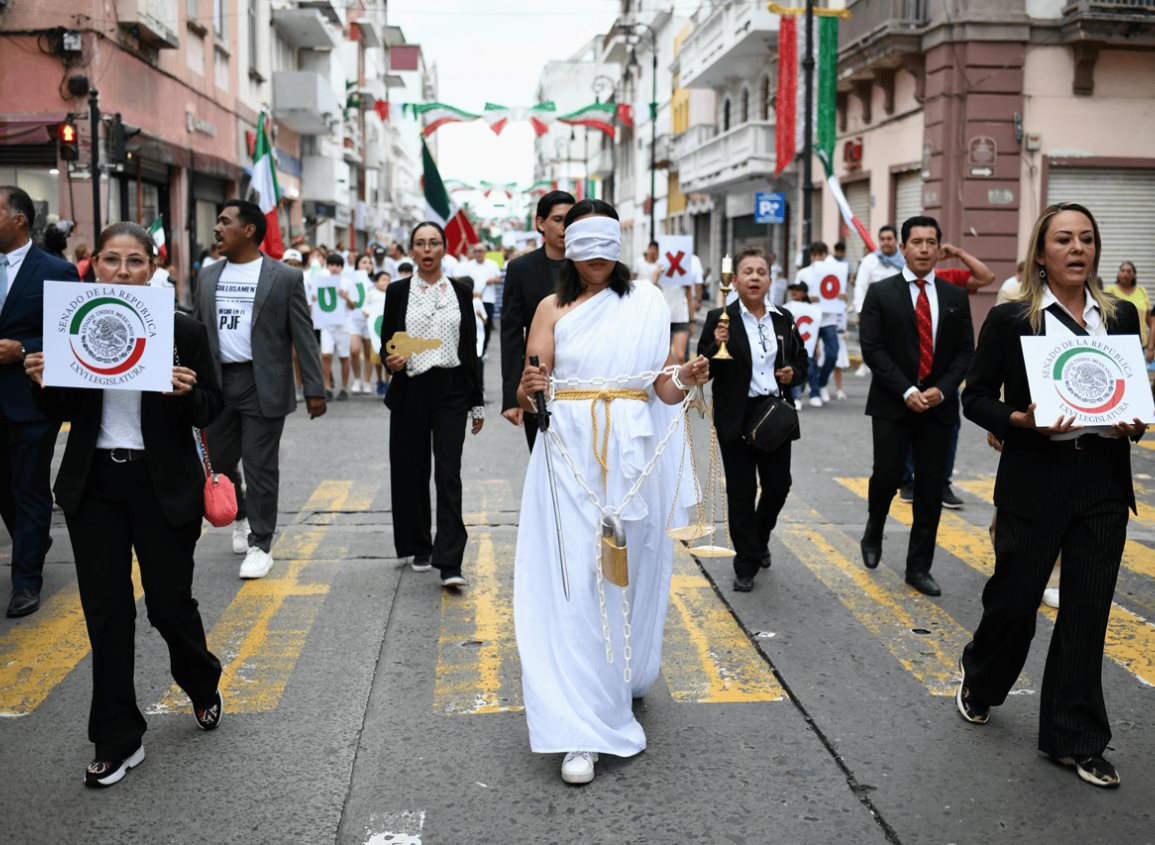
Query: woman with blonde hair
1087, 521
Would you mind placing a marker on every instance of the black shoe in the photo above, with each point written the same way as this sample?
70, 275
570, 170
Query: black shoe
328, 396
765, 561
924, 583
968, 708
453, 579
23, 602
342, 396
107, 772
949, 499
208, 718
1093, 769
743, 585
421, 563
906, 492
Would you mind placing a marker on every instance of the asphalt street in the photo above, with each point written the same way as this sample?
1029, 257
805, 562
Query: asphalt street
364, 704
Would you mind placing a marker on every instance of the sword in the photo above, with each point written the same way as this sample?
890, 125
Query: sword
543, 424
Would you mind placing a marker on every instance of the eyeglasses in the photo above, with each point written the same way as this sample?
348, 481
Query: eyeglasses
762, 336
428, 244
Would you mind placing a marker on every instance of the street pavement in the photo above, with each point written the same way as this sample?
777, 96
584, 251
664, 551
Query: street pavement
363, 704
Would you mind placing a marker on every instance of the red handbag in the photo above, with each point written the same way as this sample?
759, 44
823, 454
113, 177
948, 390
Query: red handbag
220, 495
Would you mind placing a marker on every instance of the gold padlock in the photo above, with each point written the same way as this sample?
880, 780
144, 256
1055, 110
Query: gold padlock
615, 568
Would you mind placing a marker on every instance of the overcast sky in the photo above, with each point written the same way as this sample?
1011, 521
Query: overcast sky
494, 50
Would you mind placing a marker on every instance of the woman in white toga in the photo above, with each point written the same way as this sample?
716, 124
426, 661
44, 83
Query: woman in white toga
597, 326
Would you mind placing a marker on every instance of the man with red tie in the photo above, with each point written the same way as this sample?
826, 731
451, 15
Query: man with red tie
917, 339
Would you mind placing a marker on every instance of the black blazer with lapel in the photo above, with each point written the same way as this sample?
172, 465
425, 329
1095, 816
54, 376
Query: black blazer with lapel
396, 306
889, 337
22, 319
166, 423
732, 378
527, 283
997, 387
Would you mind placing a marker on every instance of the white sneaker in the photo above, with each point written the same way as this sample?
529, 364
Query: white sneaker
1051, 597
824, 393
257, 563
454, 581
840, 396
241, 536
578, 766
815, 402
861, 371
358, 386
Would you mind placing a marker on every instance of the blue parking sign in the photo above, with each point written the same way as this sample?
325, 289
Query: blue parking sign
769, 207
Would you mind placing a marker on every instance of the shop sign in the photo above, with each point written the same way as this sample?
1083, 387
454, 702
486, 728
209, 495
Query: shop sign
852, 153
195, 124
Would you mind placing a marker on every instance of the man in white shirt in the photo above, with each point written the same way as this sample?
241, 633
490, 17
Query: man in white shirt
881, 264
486, 277
821, 265
647, 266
256, 313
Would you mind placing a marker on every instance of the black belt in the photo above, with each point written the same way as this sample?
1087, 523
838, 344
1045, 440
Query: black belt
123, 456
1083, 441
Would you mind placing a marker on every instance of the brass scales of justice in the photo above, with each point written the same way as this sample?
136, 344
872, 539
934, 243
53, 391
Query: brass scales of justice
708, 496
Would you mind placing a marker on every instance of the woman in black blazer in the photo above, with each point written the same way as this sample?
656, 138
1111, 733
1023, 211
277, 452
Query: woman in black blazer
1059, 488
432, 393
130, 481
769, 358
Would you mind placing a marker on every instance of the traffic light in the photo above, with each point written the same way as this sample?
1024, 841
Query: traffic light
119, 134
67, 141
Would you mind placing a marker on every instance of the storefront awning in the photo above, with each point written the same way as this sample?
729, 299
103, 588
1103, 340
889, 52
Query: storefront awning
29, 128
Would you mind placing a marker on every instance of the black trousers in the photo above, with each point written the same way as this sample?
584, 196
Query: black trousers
433, 415
490, 310
929, 440
120, 513
746, 469
1085, 519
26, 496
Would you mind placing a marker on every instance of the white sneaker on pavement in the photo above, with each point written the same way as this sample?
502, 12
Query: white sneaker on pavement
840, 396
256, 564
1051, 597
861, 371
578, 766
241, 536
815, 402
824, 393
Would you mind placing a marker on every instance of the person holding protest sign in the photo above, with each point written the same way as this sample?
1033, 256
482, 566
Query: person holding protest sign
917, 340
1060, 487
826, 278
433, 390
769, 358
131, 480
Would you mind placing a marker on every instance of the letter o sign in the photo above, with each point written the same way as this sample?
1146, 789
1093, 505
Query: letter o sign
830, 287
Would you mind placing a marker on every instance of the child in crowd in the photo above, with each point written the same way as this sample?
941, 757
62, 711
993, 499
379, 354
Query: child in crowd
373, 309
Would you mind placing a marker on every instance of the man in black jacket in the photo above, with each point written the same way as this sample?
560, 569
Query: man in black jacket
528, 280
917, 339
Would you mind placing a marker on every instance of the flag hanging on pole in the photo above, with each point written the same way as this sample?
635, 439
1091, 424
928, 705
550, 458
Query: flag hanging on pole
848, 215
157, 232
785, 105
458, 230
264, 185
827, 85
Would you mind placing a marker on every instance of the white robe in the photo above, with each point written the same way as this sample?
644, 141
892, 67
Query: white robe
574, 699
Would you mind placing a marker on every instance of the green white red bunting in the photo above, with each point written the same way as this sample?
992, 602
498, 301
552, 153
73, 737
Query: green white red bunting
436, 115
157, 232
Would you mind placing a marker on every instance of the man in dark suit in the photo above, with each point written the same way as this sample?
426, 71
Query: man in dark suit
256, 313
528, 280
27, 439
918, 340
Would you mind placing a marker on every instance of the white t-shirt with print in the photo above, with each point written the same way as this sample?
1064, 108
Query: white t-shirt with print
236, 290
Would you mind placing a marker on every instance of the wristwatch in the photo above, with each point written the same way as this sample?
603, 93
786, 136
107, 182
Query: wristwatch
23, 353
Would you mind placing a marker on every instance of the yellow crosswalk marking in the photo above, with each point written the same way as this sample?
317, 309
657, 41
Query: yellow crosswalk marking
1137, 557
1146, 443
41, 651
262, 632
1130, 638
881, 602
707, 658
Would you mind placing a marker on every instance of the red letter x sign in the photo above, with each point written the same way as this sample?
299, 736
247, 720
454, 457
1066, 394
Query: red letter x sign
675, 264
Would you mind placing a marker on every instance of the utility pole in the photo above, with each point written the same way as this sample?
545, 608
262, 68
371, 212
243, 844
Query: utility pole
653, 125
94, 118
808, 135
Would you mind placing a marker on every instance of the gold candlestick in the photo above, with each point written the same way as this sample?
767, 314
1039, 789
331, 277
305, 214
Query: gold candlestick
723, 354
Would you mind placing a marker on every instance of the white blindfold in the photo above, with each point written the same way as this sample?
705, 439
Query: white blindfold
593, 237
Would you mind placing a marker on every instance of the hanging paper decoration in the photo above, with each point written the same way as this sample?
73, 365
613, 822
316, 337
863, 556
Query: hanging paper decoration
509, 188
598, 116
785, 105
625, 114
382, 109
437, 115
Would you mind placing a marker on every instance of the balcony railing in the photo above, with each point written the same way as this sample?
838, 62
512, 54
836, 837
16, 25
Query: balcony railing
304, 102
743, 153
730, 39
306, 28
872, 19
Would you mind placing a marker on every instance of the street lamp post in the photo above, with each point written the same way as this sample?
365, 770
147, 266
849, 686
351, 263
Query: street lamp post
653, 109
598, 85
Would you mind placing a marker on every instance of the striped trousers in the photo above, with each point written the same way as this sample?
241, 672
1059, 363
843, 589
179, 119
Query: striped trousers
1085, 518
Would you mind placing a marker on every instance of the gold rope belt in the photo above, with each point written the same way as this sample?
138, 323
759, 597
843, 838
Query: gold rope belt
606, 396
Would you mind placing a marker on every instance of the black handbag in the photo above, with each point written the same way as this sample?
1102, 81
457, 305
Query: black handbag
772, 423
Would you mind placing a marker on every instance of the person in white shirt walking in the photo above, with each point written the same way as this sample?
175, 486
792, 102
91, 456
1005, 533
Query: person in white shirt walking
486, 277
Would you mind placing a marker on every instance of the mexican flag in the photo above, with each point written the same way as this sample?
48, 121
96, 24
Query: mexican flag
848, 216
790, 103
437, 115
458, 230
598, 116
498, 117
264, 185
157, 232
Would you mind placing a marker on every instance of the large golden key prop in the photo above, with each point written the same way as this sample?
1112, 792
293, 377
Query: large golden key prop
405, 344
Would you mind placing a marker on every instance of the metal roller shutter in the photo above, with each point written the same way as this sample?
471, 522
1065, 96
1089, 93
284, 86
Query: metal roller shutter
907, 197
858, 196
1123, 202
